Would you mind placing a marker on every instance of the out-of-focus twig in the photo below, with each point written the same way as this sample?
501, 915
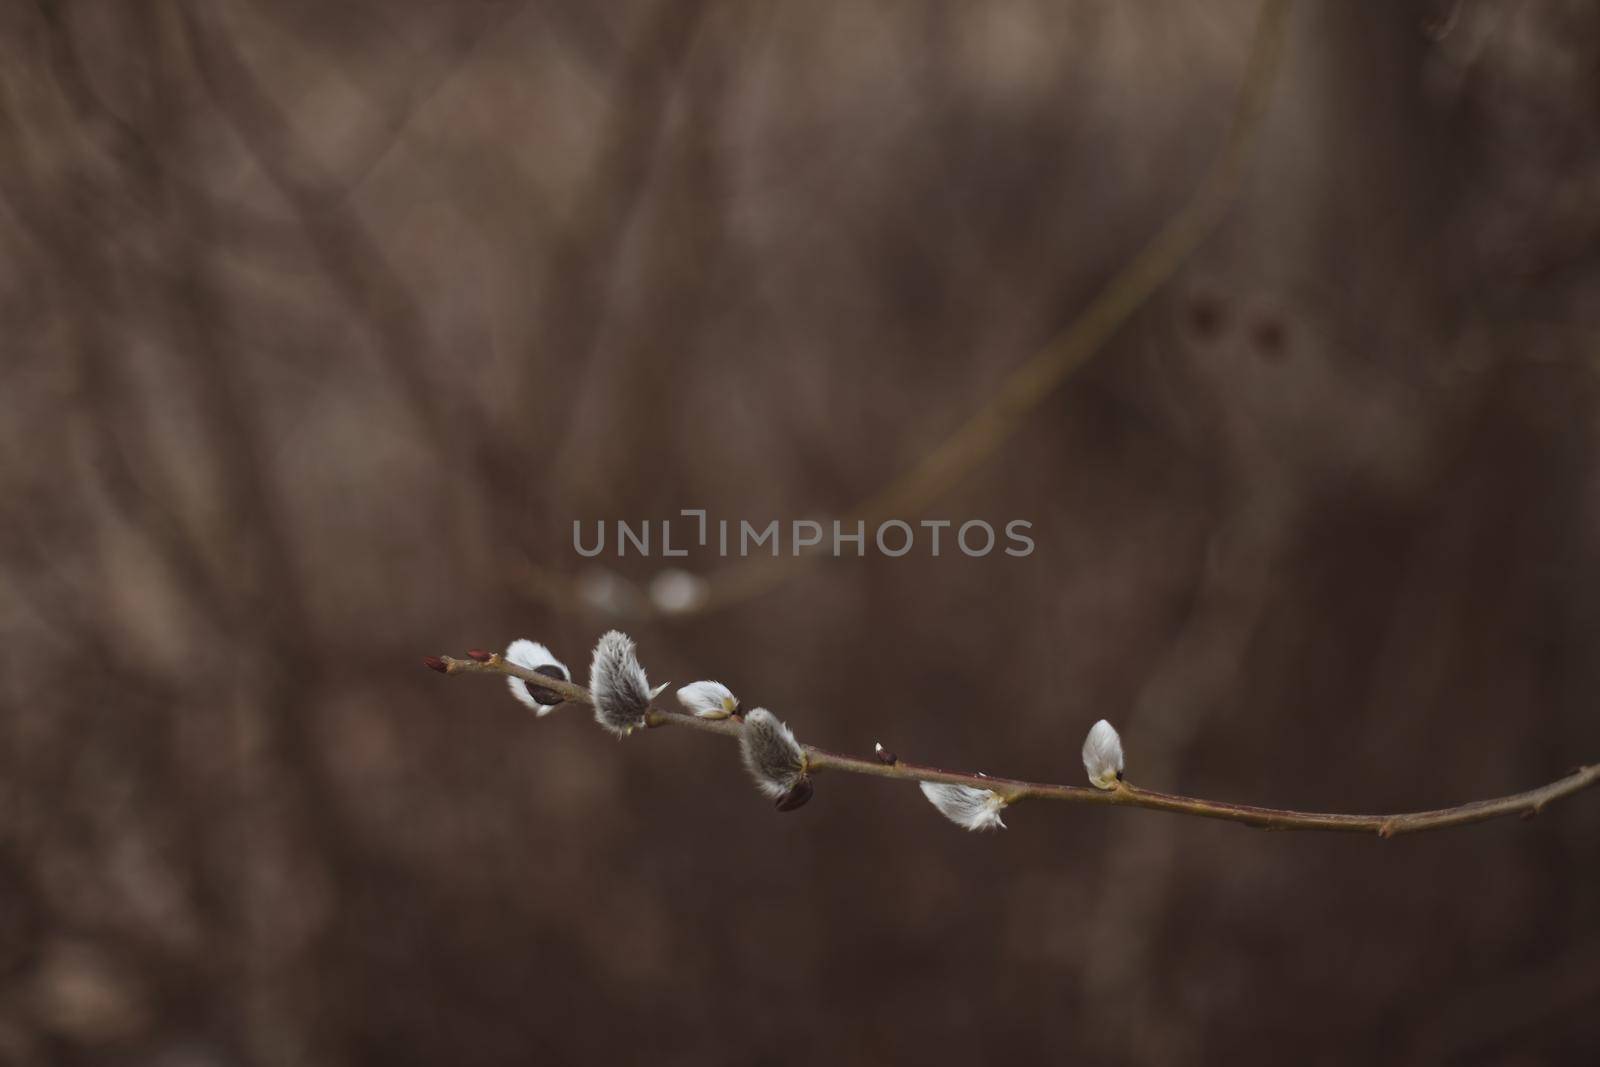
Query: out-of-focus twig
355, 260
993, 423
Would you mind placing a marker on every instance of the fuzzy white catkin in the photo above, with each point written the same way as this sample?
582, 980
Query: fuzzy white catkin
1102, 755
965, 805
771, 754
708, 700
533, 656
622, 693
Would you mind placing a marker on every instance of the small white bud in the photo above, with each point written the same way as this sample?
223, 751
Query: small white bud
772, 756
675, 591
622, 693
965, 805
535, 657
1102, 755
708, 700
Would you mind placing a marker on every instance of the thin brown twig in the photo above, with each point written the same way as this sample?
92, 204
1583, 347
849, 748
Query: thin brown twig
1123, 794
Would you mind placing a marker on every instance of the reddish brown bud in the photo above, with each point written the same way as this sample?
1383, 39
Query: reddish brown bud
884, 755
480, 655
434, 663
796, 797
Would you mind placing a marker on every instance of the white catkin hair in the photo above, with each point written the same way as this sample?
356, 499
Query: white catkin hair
965, 805
708, 700
621, 691
1102, 755
535, 657
771, 754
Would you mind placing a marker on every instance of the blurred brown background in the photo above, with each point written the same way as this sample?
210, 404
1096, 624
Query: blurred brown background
322, 322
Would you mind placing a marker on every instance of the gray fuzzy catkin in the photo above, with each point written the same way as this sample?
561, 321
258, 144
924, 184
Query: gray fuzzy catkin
771, 754
619, 686
965, 805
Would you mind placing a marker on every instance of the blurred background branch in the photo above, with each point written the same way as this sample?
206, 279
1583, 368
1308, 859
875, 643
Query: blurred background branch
979, 436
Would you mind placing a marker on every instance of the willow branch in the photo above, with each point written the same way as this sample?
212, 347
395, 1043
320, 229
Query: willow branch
1122, 794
